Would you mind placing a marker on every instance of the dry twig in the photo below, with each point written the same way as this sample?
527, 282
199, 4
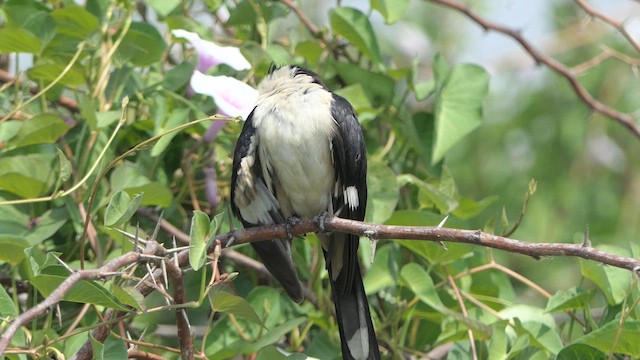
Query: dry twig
561, 69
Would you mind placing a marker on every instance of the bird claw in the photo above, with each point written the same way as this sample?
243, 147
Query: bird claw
291, 222
319, 220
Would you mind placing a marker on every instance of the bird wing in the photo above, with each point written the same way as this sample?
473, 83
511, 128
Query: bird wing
357, 336
255, 204
350, 195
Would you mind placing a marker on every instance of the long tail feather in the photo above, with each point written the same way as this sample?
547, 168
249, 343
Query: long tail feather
357, 336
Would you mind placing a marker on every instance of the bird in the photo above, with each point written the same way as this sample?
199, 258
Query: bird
300, 155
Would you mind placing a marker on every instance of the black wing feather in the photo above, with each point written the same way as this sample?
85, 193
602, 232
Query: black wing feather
352, 308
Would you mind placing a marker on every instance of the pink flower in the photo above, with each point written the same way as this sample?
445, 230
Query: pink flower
232, 96
211, 54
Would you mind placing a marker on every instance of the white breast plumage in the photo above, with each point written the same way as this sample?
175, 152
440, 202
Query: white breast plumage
291, 123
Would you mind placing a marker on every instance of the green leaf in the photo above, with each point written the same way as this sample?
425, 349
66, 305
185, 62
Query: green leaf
8, 308
270, 352
27, 176
380, 88
613, 282
357, 97
354, 26
572, 299
163, 7
499, 342
580, 352
428, 250
84, 292
64, 166
418, 129
48, 71
423, 90
98, 348
121, 208
244, 13
42, 128
420, 282
626, 339
114, 349
468, 208
310, 50
12, 248
75, 22
383, 272
142, 45
198, 236
269, 337
38, 261
458, 107
383, 192
31, 16
9, 129
178, 76
178, 117
391, 10
443, 202
15, 40
104, 119
226, 302
129, 295
155, 194
42, 227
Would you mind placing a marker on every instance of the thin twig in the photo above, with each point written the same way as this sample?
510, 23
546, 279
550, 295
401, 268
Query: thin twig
65, 102
57, 295
303, 18
463, 308
624, 119
618, 25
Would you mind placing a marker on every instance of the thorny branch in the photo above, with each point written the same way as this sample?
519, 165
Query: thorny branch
57, 295
372, 231
433, 233
561, 69
619, 26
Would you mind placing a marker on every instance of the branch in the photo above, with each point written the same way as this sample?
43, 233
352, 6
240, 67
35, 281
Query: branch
624, 119
179, 297
609, 20
432, 233
56, 296
235, 256
474, 237
305, 20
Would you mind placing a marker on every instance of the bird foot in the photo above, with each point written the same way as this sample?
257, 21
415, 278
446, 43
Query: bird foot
320, 219
291, 222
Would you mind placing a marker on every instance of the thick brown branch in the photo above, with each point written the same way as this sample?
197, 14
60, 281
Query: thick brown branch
179, 297
474, 237
624, 119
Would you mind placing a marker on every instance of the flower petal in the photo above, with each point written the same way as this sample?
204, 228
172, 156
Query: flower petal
210, 53
232, 96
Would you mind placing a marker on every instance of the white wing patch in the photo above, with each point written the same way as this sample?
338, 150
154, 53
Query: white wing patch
351, 197
253, 199
257, 211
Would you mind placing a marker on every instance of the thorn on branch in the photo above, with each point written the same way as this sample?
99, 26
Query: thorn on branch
586, 242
